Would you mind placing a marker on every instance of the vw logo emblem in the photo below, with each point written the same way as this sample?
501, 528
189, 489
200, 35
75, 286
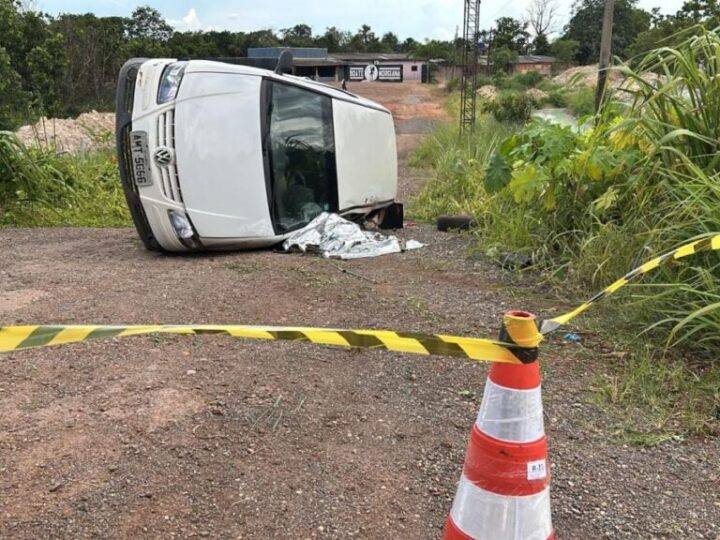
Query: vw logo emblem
163, 156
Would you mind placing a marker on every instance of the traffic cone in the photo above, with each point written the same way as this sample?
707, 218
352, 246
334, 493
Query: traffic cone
504, 490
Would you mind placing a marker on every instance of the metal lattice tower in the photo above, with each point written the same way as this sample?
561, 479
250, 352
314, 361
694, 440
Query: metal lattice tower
468, 86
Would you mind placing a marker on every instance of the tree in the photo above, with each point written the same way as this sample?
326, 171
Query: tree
542, 16
146, 23
13, 101
409, 45
564, 50
95, 49
665, 29
512, 34
390, 42
299, 35
333, 39
502, 58
365, 40
432, 49
47, 64
541, 45
585, 26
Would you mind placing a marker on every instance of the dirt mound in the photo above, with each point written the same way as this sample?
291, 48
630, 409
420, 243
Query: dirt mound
488, 92
587, 76
537, 95
89, 131
578, 76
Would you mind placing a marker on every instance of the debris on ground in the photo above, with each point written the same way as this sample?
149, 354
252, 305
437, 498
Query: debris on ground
572, 337
455, 223
90, 131
515, 261
336, 237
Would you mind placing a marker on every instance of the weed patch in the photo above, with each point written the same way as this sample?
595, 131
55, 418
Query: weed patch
43, 188
657, 398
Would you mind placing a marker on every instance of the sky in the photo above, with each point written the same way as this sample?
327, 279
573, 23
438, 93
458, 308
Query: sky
419, 19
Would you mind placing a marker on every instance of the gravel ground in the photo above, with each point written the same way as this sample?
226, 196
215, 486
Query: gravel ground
180, 437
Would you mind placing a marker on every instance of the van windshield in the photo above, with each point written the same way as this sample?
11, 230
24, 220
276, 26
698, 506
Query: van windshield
300, 147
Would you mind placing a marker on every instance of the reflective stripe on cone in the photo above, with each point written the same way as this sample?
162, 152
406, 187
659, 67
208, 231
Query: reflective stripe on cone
511, 415
478, 514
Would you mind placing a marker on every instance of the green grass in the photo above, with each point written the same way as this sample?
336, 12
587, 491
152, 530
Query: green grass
43, 188
458, 165
581, 101
589, 207
654, 398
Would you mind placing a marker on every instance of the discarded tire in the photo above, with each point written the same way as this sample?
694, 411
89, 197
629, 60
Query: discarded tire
455, 223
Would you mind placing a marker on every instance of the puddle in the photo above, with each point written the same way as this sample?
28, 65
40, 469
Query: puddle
558, 116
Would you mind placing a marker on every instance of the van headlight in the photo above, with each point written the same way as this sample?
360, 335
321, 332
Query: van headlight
170, 81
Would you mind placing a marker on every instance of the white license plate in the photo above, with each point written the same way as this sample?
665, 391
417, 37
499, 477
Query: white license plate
140, 158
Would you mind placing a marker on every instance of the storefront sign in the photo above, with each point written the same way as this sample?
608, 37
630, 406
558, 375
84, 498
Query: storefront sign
372, 72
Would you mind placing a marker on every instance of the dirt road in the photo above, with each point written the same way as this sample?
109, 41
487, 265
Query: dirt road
169, 437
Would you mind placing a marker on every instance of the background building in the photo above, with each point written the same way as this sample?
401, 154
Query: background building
319, 64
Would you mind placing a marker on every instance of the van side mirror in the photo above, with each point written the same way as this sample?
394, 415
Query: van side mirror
285, 63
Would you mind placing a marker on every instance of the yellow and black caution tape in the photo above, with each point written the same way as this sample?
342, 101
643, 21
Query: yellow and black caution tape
13, 338
708, 243
519, 334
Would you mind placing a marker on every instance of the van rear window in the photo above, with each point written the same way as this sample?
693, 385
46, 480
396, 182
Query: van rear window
301, 152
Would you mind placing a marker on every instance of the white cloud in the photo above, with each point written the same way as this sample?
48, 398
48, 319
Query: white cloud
190, 22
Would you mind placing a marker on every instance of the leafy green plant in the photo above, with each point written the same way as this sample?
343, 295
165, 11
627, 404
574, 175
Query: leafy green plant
558, 99
510, 106
531, 79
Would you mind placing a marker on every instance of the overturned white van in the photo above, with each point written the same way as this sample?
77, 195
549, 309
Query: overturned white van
215, 155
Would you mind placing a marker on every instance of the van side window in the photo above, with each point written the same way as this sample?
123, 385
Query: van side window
301, 151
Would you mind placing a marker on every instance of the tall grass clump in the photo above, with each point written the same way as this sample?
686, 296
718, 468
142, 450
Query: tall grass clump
42, 188
458, 168
644, 179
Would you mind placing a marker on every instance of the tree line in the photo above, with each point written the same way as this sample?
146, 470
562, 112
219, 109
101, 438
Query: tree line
61, 66
635, 30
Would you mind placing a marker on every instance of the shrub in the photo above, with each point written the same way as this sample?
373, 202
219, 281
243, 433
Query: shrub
558, 99
530, 79
511, 106
453, 85
484, 80
581, 101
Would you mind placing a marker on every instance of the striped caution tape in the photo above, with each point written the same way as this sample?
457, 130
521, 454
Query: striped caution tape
13, 338
709, 243
519, 345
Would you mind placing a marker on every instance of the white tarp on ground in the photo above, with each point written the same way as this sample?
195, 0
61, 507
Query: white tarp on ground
336, 237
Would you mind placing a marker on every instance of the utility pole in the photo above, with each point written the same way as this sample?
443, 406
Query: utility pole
605, 46
468, 85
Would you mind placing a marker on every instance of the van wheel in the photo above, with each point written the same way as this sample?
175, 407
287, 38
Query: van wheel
455, 223
393, 217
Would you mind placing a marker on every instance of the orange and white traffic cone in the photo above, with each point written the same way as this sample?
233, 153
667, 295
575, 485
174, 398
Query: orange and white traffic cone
504, 490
